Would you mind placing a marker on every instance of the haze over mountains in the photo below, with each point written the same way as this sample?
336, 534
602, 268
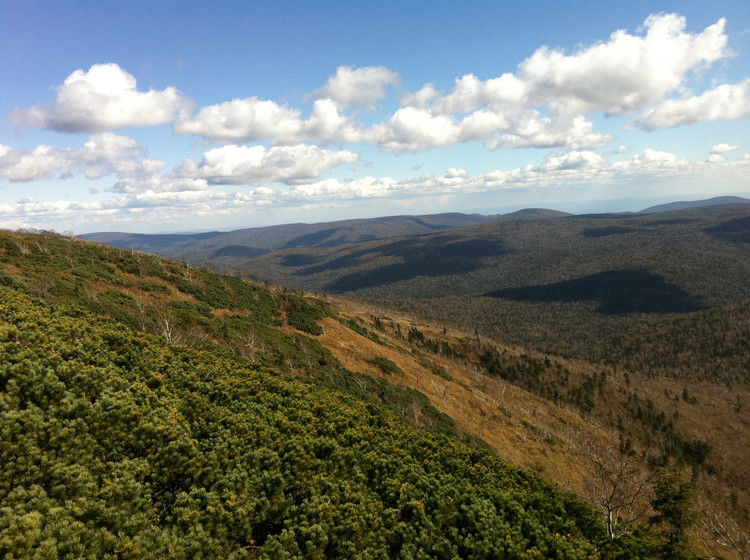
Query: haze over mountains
252, 242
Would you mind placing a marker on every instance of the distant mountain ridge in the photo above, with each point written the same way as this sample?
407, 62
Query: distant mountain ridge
533, 213
220, 248
249, 243
580, 280
686, 204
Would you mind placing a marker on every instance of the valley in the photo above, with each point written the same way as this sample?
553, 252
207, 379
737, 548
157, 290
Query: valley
583, 350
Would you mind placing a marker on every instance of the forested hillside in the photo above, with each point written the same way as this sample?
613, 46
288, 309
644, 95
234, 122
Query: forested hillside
226, 248
153, 409
567, 285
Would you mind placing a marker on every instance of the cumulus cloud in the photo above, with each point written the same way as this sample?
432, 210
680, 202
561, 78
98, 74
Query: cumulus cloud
471, 93
239, 165
166, 204
255, 120
626, 72
359, 86
544, 104
723, 148
619, 76
412, 129
531, 130
723, 102
44, 162
246, 120
158, 183
104, 98
420, 99
101, 155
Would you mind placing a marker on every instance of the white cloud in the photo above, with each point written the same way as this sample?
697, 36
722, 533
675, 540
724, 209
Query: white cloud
723, 102
240, 165
245, 120
101, 155
44, 162
326, 123
360, 86
575, 160
421, 99
456, 172
619, 76
723, 148
173, 208
104, 98
625, 73
158, 183
470, 93
413, 129
255, 120
530, 130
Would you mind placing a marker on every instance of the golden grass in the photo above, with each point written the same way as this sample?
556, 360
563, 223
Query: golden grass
479, 405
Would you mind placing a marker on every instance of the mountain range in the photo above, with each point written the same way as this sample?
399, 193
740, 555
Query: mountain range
221, 247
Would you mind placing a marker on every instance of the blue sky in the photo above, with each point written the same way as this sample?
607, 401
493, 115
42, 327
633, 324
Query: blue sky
182, 116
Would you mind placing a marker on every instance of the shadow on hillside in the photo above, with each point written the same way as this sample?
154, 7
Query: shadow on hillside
298, 260
736, 231
322, 238
432, 227
670, 222
416, 257
618, 292
238, 251
607, 231
333, 237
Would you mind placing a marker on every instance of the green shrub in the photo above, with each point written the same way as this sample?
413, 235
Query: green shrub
385, 365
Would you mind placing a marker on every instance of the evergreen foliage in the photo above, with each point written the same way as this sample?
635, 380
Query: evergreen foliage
674, 502
385, 365
116, 444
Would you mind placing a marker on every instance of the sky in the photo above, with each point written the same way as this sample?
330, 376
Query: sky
203, 115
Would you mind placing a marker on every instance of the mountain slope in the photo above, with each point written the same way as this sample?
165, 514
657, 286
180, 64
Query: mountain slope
121, 445
118, 443
549, 414
685, 204
566, 285
221, 248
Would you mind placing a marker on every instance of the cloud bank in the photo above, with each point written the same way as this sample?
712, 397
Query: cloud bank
101, 155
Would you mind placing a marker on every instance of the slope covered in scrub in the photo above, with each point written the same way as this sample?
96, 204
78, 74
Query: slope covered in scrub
119, 444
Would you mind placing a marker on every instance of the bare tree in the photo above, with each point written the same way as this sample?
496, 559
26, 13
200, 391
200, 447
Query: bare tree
618, 487
249, 342
24, 247
169, 329
718, 523
169, 326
